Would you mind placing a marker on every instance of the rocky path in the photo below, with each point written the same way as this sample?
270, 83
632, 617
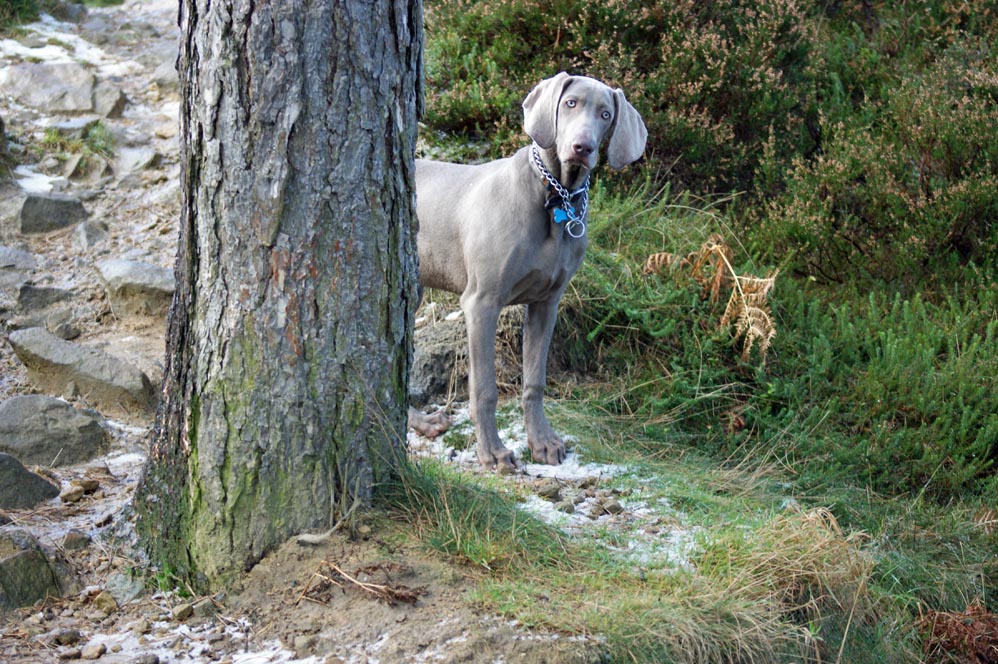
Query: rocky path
88, 226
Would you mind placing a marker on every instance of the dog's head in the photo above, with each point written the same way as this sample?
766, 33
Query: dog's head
576, 114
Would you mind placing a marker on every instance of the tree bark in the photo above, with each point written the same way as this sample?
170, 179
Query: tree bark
289, 339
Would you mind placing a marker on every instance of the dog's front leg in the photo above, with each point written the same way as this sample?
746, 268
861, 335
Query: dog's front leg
481, 316
546, 446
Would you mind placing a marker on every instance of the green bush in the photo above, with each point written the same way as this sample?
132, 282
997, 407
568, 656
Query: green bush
15, 12
894, 393
912, 194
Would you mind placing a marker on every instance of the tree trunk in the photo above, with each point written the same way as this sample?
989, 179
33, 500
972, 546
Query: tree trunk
289, 339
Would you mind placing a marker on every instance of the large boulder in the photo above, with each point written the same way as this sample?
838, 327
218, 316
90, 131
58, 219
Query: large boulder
136, 288
42, 430
42, 213
64, 87
26, 575
62, 367
21, 489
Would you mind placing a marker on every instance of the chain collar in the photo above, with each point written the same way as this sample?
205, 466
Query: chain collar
575, 224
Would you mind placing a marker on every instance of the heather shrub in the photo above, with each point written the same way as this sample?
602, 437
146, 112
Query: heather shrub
909, 196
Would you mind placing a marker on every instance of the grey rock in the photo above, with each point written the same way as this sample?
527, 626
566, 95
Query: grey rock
20, 488
31, 297
132, 160
26, 574
165, 76
148, 658
89, 234
93, 651
124, 587
67, 331
549, 489
65, 87
42, 213
612, 506
110, 382
109, 100
15, 266
136, 288
75, 540
42, 430
438, 349
16, 259
90, 168
97, 29
566, 506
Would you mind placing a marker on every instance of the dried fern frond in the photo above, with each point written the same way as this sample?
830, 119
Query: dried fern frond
658, 263
714, 255
748, 311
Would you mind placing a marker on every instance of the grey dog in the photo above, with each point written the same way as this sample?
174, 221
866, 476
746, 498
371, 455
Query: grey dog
513, 231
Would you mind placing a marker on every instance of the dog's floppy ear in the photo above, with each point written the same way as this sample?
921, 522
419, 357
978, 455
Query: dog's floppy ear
629, 134
540, 109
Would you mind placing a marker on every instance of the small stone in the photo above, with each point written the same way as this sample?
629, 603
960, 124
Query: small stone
88, 485
204, 608
106, 602
72, 494
141, 626
66, 637
182, 612
566, 506
588, 482
67, 331
147, 658
75, 540
93, 651
549, 489
88, 234
612, 506
304, 643
71, 653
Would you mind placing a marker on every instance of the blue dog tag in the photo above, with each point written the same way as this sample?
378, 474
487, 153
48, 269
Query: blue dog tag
560, 216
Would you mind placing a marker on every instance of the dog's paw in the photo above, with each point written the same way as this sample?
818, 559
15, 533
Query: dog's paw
499, 459
547, 448
429, 425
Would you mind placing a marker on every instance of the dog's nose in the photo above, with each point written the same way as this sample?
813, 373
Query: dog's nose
583, 149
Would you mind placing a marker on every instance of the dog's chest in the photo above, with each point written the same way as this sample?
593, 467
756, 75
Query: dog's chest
555, 263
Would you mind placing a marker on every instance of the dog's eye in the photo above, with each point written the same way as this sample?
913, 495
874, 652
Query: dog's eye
570, 103
606, 115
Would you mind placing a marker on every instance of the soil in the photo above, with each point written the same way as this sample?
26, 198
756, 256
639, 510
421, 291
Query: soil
359, 599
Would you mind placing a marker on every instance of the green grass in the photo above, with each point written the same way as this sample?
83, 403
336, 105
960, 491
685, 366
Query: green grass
772, 575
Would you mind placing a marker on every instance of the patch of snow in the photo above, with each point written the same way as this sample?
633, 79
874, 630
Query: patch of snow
34, 182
